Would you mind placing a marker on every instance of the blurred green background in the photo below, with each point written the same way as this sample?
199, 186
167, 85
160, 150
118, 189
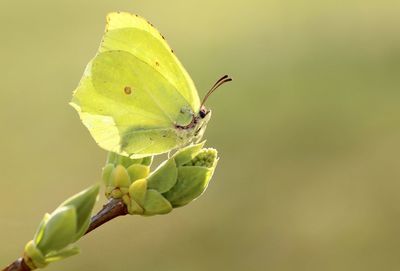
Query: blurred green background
308, 133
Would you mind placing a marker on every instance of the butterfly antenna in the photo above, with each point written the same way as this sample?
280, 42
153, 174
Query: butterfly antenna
224, 79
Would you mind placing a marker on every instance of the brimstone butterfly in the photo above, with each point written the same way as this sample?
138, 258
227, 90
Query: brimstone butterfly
135, 97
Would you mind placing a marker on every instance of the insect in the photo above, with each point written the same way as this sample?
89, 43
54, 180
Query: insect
135, 97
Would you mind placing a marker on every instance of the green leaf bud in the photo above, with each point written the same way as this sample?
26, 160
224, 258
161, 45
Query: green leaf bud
118, 182
137, 191
193, 178
186, 154
192, 182
40, 231
120, 177
134, 207
59, 230
83, 203
120, 172
176, 182
116, 193
68, 251
164, 177
155, 203
205, 158
137, 172
33, 257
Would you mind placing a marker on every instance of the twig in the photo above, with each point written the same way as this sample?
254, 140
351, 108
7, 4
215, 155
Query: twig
18, 265
114, 208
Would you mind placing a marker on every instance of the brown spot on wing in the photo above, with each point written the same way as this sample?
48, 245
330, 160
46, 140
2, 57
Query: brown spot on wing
128, 90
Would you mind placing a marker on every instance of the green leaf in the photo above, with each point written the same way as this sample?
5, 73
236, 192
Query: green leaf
137, 191
59, 231
120, 177
156, 204
39, 233
192, 182
137, 172
69, 251
164, 177
188, 153
83, 203
33, 255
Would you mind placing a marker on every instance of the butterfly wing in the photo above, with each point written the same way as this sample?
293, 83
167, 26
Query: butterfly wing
135, 91
135, 35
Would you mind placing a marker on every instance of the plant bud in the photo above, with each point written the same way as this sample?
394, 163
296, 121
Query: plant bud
176, 182
164, 177
121, 171
186, 154
58, 231
137, 172
193, 178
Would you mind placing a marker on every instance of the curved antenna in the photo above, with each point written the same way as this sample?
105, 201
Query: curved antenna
224, 79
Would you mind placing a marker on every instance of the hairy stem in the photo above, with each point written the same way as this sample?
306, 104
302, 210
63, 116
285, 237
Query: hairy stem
112, 209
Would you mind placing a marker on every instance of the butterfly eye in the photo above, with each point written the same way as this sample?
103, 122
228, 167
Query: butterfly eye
203, 112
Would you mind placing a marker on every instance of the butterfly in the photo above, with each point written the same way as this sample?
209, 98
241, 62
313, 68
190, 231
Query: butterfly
135, 97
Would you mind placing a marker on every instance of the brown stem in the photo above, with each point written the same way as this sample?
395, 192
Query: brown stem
18, 265
112, 209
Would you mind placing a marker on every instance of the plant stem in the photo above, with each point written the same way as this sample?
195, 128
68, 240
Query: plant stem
112, 209
18, 265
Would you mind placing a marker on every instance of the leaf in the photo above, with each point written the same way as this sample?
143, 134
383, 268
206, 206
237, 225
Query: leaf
59, 231
39, 233
83, 203
69, 251
192, 182
188, 153
137, 191
164, 177
156, 204
120, 177
137, 172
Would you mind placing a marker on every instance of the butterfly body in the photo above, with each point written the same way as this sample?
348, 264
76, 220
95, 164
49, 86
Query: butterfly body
135, 97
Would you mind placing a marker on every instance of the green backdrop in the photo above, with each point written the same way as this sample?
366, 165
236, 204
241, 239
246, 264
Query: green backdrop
308, 134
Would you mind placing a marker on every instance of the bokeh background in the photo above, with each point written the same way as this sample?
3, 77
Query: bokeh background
308, 133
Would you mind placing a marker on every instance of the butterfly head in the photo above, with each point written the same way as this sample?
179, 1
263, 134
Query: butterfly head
196, 128
203, 112
203, 118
